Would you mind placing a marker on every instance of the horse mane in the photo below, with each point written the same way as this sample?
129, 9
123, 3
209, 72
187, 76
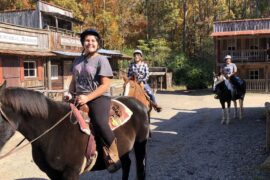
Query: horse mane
25, 101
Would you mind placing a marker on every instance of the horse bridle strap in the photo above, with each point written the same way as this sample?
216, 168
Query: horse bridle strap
11, 123
16, 148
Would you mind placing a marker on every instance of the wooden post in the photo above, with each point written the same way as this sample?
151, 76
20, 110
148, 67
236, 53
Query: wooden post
161, 83
49, 74
267, 111
266, 79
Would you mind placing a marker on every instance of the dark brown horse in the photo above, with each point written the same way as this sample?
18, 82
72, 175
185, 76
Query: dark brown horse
60, 152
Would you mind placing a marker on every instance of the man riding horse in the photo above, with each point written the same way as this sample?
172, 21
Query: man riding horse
233, 83
139, 69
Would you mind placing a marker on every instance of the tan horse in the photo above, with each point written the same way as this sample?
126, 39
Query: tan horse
133, 89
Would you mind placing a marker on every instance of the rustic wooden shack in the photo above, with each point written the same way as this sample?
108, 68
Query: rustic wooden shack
248, 42
44, 16
160, 78
38, 52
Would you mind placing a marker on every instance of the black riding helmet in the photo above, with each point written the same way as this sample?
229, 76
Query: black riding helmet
90, 32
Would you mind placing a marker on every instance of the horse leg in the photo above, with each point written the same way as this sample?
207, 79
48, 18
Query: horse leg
70, 174
126, 162
235, 109
241, 108
149, 118
223, 112
140, 154
39, 159
228, 112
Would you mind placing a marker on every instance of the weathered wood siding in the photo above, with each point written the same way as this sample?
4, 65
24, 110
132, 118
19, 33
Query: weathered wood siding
46, 7
64, 41
58, 83
29, 18
39, 38
11, 70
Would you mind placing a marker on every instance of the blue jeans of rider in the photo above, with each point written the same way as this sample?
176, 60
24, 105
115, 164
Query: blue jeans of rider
149, 92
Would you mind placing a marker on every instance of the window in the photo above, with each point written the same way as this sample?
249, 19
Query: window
54, 74
254, 74
253, 43
231, 45
30, 69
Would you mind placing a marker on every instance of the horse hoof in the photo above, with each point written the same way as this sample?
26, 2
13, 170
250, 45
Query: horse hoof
227, 122
222, 122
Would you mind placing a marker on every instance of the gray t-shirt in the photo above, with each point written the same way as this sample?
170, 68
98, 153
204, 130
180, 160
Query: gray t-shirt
87, 72
228, 69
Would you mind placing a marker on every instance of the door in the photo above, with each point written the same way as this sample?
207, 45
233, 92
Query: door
11, 70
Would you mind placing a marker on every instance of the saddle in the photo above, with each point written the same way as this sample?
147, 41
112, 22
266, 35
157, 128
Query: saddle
119, 115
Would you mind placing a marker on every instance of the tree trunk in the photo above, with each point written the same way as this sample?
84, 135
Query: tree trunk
184, 25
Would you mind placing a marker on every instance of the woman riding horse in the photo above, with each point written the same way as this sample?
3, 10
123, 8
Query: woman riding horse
140, 70
91, 80
229, 70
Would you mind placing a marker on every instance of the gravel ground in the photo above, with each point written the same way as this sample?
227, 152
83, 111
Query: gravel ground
188, 143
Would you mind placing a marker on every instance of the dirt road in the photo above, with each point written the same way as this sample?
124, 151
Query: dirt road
188, 143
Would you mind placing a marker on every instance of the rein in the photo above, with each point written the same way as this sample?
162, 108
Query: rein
12, 124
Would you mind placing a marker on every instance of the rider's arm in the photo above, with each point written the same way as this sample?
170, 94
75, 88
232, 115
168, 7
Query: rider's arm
146, 73
71, 88
234, 71
102, 88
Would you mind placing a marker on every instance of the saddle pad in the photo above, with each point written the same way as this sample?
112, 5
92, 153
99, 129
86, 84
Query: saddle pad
119, 114
83, 126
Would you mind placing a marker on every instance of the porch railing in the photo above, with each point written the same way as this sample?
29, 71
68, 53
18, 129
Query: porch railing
257, 84
252, 24
246, 55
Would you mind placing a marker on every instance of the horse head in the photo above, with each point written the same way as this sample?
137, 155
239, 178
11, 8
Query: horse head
6, 129
218, 79
131, 86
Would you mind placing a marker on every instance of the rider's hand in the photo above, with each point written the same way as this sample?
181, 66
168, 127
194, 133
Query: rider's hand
82, 99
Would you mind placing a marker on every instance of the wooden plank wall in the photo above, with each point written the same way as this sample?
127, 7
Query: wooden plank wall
27, 18
42, 38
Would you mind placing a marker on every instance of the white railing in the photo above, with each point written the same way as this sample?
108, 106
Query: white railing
257, 84
247, 55
252, 24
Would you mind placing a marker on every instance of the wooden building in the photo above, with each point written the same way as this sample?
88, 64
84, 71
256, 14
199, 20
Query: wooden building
160, 78
248, 42
38, 53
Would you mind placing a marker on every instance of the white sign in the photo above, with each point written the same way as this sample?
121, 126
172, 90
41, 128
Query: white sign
65, 41
18, 39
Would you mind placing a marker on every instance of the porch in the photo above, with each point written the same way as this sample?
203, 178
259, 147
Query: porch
242, 56
257, 85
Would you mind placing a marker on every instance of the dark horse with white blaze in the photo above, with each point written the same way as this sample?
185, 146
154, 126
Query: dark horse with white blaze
60, 152
225, 96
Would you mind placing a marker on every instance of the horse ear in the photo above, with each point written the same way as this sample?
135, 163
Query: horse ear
125, 78
214, 74
3, 86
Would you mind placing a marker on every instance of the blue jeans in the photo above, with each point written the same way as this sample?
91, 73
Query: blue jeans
149, 92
